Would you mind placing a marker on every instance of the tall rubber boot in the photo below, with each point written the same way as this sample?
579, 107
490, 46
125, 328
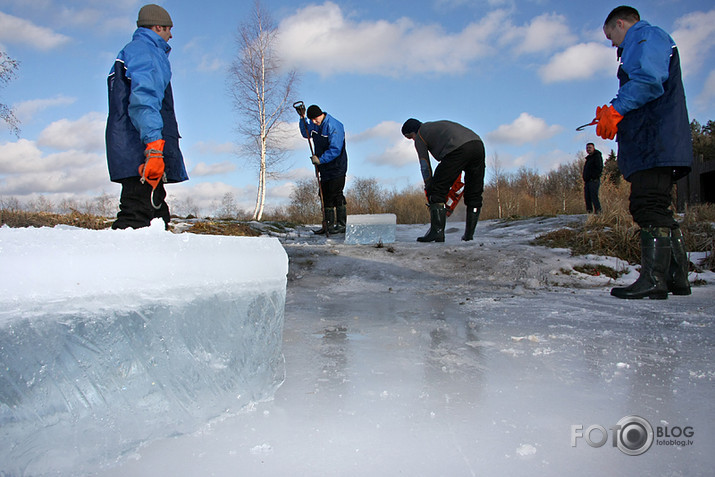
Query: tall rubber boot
471, 223
329, 221
677, 277
341, 217
655, 262
438, 219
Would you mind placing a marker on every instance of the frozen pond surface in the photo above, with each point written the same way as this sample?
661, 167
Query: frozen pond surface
462, 359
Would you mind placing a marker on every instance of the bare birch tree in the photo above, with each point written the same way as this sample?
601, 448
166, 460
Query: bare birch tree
8, 66
261, 92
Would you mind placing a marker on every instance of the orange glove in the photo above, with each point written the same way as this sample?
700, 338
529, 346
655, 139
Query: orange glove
608, 119
152, 171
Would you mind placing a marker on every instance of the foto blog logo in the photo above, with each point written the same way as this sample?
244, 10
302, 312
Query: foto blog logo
633, 435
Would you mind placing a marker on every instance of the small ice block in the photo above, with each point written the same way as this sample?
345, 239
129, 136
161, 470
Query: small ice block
370, 229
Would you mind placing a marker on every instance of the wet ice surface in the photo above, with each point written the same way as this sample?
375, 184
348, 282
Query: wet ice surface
462, 359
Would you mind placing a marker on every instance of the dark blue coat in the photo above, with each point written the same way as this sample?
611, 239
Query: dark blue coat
655, 130
141, 109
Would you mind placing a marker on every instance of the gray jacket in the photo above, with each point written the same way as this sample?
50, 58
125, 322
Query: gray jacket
439, 138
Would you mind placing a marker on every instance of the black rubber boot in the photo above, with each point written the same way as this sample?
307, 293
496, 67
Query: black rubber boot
329, 221
655, 262
677, 277
341, 217
438, 219
471, 223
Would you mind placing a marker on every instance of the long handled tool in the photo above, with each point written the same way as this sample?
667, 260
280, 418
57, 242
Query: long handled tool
300, 106
581, 128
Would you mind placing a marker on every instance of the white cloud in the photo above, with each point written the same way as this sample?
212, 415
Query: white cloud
707, 95
695, 37
27, 109
215, 148
84, 134
386, 129
399, 154
581, 61
18, 30
545, 33
203, 169
525, 129
320, 38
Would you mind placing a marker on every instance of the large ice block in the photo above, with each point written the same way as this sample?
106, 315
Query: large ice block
109, 339
370, 229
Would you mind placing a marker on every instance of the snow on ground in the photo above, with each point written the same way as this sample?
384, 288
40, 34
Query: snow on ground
463, 359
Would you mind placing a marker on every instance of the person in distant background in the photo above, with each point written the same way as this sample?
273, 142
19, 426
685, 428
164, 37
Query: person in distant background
650, 116
142, 135
592, 170
331, 158
457, 149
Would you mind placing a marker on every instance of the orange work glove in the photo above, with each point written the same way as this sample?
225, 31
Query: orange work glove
152, 171
608, 119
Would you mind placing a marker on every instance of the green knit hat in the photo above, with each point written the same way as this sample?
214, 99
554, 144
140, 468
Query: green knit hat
152, 14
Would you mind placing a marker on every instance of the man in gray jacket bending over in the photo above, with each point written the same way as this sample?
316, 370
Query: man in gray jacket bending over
457, 149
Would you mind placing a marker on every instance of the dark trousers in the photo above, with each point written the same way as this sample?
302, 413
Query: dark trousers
651, 197
470, 158
590, 193
135, 205
333, 191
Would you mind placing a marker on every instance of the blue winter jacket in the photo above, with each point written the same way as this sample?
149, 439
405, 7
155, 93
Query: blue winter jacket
141, 108
655, 130
329, 141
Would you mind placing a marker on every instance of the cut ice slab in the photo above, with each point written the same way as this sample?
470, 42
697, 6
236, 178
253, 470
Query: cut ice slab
370, 229
109, 339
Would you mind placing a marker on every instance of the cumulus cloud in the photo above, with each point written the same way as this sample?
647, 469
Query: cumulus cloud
707, 95
580, 62
386, 129
18, 30
695, 36
84, 134
204, 147
398, 154
525, 129
27, 109
203, 169
379, 47
544, 33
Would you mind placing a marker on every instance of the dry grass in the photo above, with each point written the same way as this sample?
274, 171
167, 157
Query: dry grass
210, 227
13, 218
614, 234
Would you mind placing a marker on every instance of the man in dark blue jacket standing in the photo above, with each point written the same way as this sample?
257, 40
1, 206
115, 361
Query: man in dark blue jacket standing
331, 159
649, 115
142, 135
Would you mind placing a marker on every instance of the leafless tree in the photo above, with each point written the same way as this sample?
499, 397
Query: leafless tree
261, 92
8, 66
498, 178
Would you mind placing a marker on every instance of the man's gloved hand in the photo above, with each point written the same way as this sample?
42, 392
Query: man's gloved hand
315, 160
300, 109
608, 119
152, 171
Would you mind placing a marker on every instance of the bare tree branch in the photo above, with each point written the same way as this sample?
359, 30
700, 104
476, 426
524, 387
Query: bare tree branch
8, 66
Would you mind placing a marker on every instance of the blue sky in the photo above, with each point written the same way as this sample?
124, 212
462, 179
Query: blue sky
523, 74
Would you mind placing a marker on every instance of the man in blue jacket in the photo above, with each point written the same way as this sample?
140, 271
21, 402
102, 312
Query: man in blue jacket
142, 135
331, 158
649, 115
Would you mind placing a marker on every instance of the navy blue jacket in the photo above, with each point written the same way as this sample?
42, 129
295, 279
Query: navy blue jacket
141, 108
329, 141
655, 130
